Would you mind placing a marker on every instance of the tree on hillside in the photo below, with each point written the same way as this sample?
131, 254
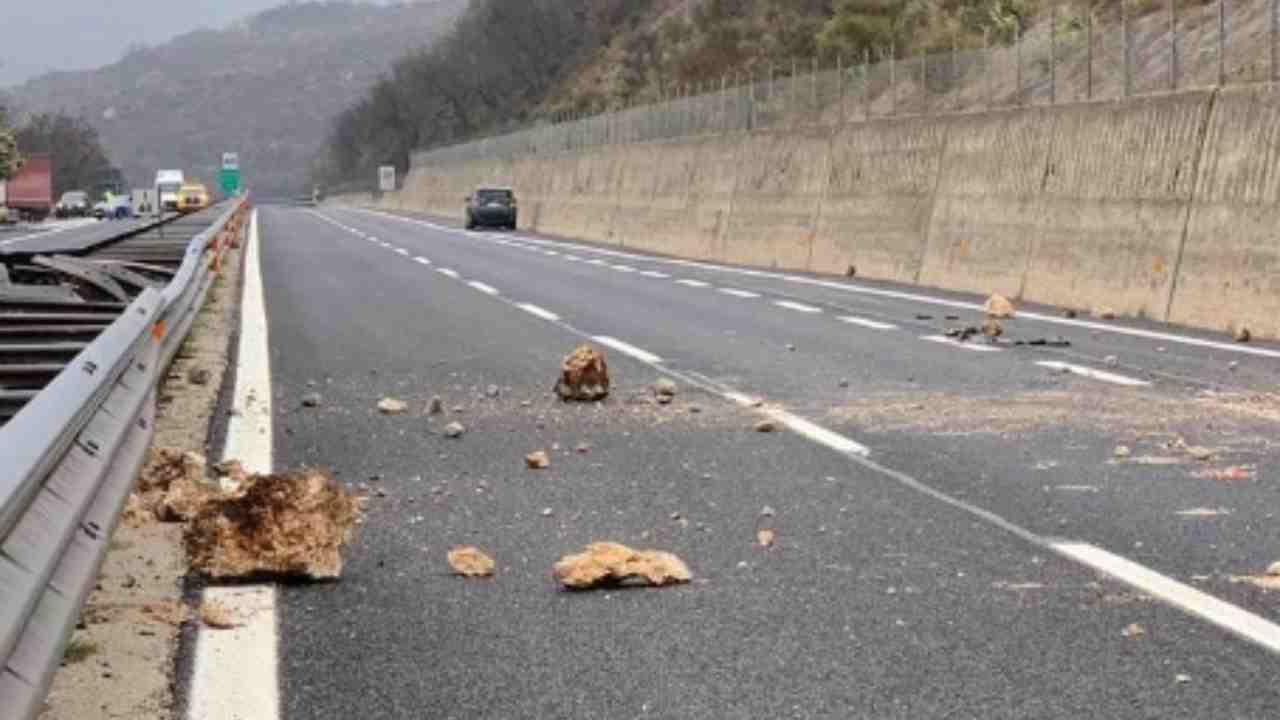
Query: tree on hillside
8, 148
79, 160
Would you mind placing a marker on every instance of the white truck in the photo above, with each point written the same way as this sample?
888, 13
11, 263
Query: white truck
168, 183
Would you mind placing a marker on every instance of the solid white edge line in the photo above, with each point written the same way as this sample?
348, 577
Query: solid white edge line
973, 347
234, 672
798, 307
486, 289
1195, 602
746, 294
1094, 374
873, 324
627, 349
539, 312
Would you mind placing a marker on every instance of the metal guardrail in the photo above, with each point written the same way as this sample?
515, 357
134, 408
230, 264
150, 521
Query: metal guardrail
68, 460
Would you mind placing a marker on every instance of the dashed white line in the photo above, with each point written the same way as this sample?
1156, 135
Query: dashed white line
402, 251
819, 434
540, 312
739, 293
693, 283
624, 268
974, 347
1202, 605
798, 307
596, 261
873, 324
447, 272
486, 289
421, 260
655, 274
1094, 374
628, 349
550, 253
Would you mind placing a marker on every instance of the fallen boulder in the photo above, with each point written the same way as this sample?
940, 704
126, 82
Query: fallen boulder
538, 460
584, 376
998, 306
293, 524
605, 564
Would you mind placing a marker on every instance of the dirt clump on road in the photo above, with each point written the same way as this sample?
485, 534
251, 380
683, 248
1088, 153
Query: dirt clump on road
293, 524
605, 564
470, 562
584, 376
998, 306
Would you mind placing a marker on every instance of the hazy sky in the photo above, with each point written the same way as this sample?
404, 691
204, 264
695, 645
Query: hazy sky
43, 35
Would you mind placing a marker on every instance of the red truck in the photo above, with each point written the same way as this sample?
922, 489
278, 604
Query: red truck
29, 193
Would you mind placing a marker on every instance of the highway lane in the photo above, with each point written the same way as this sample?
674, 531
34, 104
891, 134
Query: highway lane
68, 235
879, 600
998, 429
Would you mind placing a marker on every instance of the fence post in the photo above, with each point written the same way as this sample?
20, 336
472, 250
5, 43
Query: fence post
1053, 54
1272, 31
1124, 49
866, 83
924, 82
1173, 44
1088, 54
893, 77
955, 74
817, 114
840, 85
987, 70
1222, 43
1017, 43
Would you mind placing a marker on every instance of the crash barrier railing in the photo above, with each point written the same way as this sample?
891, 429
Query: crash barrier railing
67, 464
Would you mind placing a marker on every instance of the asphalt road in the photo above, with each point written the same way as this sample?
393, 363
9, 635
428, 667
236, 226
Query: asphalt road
923, 580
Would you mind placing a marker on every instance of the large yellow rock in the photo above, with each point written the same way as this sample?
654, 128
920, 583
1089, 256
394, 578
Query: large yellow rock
608, 563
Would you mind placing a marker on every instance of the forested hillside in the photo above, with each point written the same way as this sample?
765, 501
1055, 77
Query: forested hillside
268, 87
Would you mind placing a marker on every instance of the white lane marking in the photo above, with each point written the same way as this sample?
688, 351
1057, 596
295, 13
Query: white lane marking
447, 272
421, 260
1202, 605
798, 307
940, 302
819, 434
597, 261
486, 289
627, 349
234, 671
540, 312
655, 274
550, 253
572, 258
739, 293
873, 324
693, 283
402, 251
1095, 374
973, 346
624, 268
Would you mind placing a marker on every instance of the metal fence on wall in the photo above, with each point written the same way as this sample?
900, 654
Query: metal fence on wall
1072, 52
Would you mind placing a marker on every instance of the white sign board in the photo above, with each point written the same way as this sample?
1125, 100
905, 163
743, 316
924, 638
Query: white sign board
387, 178
143, 202
230, 161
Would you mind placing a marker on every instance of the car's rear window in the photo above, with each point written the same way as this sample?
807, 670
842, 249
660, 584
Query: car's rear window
488, 196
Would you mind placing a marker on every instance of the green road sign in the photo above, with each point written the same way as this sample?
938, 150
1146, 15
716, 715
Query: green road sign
230, 181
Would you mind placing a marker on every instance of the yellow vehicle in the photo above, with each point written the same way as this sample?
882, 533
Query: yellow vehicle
193, 197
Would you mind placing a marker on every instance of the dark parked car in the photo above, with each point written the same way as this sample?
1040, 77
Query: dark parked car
495, 207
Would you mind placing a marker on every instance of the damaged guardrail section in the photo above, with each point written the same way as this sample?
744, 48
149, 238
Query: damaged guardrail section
68, 461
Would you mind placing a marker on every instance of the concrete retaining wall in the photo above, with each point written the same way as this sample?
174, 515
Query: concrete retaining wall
1164, 206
